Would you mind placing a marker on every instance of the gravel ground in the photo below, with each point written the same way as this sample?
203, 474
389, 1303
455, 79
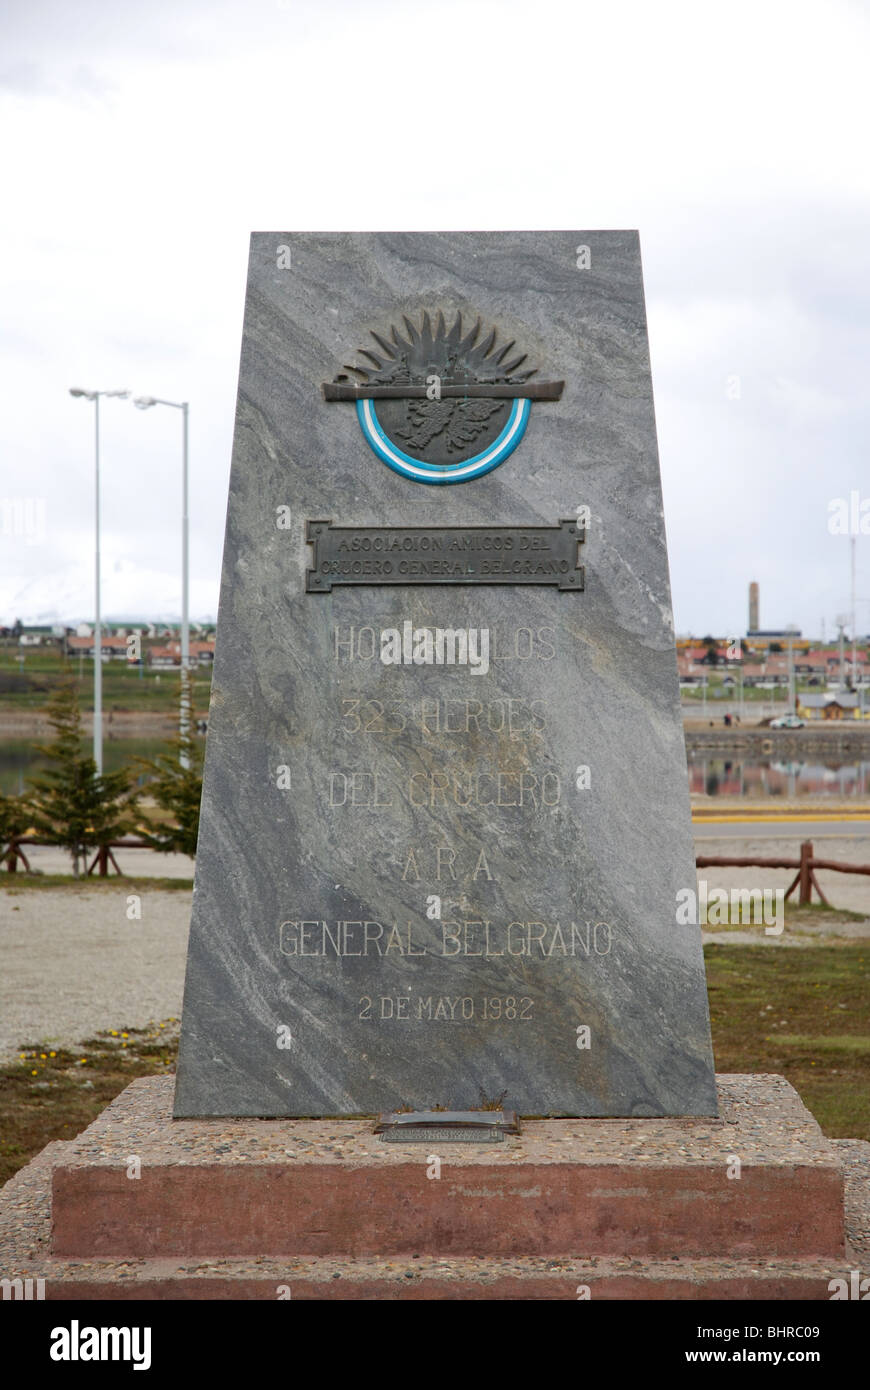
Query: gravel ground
72, 963
850, 891
135, 1123
45, 859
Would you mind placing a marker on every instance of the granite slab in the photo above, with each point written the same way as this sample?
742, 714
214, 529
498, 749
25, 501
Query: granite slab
444, 825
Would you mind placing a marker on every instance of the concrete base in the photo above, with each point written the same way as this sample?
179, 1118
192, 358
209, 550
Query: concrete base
323, 1209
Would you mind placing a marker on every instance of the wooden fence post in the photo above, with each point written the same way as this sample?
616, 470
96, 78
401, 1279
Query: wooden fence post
805, 892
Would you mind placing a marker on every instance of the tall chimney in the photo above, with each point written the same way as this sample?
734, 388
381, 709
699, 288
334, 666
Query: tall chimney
753, 607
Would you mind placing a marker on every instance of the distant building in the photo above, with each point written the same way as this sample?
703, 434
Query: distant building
201, 654
165, 656
113, 648
36, 635
839, 706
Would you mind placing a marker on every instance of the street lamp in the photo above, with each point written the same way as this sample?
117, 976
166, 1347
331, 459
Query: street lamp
791, 633
145, 403
98, 631
842, 621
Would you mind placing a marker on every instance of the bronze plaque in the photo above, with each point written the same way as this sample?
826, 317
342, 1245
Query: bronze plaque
444, 555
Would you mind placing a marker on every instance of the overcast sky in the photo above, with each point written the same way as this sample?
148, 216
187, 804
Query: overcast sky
141, 144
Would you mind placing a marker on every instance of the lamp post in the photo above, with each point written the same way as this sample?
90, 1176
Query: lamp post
791, 633
145, 403
98, 631
842, 622
854, 624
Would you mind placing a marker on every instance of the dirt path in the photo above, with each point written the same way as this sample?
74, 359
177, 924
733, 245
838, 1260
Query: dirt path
71, 962
850, 891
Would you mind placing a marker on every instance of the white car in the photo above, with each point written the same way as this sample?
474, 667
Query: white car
787, 721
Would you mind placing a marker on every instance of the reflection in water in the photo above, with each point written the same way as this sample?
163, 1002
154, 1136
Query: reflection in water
708, 775
766, 777
19, 758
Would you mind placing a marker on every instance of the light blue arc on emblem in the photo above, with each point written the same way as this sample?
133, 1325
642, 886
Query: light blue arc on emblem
421, 472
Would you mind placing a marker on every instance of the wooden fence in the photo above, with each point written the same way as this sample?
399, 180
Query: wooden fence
804, 881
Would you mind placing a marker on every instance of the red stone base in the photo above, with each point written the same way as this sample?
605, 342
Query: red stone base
649, 1209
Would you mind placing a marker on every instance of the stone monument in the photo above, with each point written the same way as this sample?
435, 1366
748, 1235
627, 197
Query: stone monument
445, 816
445, 825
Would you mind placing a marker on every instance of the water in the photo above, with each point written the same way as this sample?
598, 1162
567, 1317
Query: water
770, 777
708, 775
19, 759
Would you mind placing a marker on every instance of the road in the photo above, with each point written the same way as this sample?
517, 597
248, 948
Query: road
781, 828
845, 841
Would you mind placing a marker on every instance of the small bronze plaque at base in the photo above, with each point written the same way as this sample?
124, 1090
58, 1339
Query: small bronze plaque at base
443, 1134
447, 1126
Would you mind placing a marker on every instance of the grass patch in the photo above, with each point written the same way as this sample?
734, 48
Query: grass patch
817, 914
13, 884
847, 1044
53, 1093
28, 677
803, 1014
816, 917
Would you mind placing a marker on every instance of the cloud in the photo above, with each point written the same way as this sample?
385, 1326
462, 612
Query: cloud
149, 141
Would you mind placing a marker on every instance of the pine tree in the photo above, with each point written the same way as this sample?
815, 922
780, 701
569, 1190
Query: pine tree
71, 805
14, 822
177, 787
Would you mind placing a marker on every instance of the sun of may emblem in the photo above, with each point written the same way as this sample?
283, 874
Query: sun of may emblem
439, 405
